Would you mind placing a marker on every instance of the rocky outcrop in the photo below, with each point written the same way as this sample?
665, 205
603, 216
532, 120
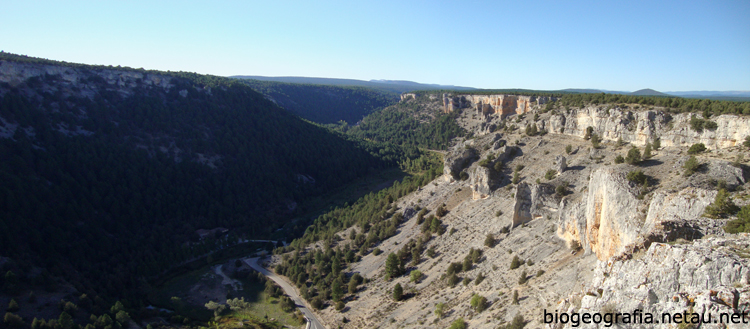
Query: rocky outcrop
408, 96
678, 215
706, 277
533, 201
640, 127
611, 218
494, 104
482, 182
458, 158
560, 164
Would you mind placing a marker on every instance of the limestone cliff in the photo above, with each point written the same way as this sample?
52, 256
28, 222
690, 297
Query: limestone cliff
493, 104
610, 217
639, 127
707, 277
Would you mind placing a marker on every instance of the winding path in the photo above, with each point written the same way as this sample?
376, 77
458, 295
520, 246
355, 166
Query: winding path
312, 321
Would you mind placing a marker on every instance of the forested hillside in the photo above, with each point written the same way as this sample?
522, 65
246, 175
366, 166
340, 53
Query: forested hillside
325, 104
107, 173
410, 125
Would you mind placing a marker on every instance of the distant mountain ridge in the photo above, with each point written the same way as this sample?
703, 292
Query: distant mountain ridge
398, 86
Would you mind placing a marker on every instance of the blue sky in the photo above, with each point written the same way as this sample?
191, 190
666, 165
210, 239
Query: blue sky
613, 45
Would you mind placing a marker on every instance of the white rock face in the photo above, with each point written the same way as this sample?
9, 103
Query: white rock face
611, 218
707, 277
639, 127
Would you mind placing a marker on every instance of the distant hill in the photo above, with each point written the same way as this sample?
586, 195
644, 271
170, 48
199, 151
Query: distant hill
647, 92
325, 103
396, 86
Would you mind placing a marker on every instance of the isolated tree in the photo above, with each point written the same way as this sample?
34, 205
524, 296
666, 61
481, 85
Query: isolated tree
657, 143
514, 300
398, 292
392, 265
634, 156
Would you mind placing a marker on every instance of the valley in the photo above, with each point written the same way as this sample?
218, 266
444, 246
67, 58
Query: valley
135, 198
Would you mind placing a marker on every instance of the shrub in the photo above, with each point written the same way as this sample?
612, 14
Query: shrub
515, 263
619, 142
647, 151
489, 241
619, 159
458, 324
710, 125
517, 323
722, 206
499, 165
466, 281
340, 306
696, 123
516, 178
522, 279
634, 156
440, 310
747, 141
568, 148
377, 251
696, 148
657, 143
637, 176
453, 280
561, 189
691, 166
539, 273
463, 175
499, 213
595, 140
479, 279
415, 276
550, 174
478, 303
514, 300
13, 320
531, 130
589, 131
742, 223
398, 292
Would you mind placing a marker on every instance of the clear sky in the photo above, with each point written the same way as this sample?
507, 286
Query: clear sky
614, 45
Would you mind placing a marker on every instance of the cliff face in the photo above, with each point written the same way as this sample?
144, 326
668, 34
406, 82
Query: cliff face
639, 127
705, 277
608, 219
493, 104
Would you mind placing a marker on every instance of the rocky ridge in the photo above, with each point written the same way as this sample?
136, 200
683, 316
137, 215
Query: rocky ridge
588, 242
